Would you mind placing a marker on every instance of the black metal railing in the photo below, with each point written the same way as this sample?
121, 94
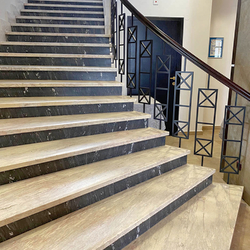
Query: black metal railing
207, 97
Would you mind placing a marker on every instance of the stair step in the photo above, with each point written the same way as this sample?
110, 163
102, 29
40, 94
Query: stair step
34, 72
54, 59
22, 199
21, 156
57, 28
62, 48
57, 37
74, 2
24, 125
44, 84
207, 221
60, 20
101, 224
18, 102
63, 7
62, 13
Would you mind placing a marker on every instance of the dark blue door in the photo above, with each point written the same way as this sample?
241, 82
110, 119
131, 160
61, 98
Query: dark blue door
174, 28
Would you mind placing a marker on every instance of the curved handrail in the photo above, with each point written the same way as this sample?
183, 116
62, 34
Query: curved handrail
184, 52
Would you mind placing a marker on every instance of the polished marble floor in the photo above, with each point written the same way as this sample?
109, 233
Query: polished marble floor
241, 239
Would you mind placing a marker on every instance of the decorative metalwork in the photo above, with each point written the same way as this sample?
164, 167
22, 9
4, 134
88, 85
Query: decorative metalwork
145, 71
114, 28
131, 58
207, 98
163, 70
183, 82
234, 116
121, 54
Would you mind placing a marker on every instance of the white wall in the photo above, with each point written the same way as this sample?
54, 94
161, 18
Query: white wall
8, 10
197, 20
222, 25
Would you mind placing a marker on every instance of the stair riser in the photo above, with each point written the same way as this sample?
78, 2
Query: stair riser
64, 110
46, 216
79, 160
66, 7
63, 133
54, 14
54, 61
55, 49
57, 75
72, 22
61, 91
58, 39
67, 3
153, 220
58, 30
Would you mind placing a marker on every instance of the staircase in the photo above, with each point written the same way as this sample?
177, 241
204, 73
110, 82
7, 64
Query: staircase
79, 169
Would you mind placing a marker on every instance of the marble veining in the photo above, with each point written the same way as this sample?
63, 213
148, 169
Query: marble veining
87, 228
205, 222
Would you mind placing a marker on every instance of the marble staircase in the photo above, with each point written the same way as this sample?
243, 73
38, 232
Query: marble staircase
79, 168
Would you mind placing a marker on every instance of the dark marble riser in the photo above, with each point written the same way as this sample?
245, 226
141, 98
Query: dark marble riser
153, 220
36, 220
54, 61
55, 49
72, 22
66, 7
64, 133
57, 39
55, 14
67, 3
79, 160
64, 110
57, 75
61, 91
58, 30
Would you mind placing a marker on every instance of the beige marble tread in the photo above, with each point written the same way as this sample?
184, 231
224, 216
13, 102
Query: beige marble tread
60, 18
62, 11
57, 44
58, 25
30, 154
54, 55
206, 222
21, 199
32, 124
62, 5
18, 102
55, 34
99, 225
55, 68
57, 83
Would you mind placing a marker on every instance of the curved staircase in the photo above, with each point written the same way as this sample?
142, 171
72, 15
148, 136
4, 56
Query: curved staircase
79, 169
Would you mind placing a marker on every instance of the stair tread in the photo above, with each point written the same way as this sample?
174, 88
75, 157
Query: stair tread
62, 5
62, 11
57, 25
24, 125
99, 225
67, 1
57, 83
15, 102
56, 34
21, 199
56, 68
208, 220
60, 18
13, 54
25, 155
57, 44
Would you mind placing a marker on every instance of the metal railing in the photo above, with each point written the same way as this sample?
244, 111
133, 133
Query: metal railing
207, 97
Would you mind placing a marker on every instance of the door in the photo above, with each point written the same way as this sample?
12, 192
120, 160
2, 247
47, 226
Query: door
174, 28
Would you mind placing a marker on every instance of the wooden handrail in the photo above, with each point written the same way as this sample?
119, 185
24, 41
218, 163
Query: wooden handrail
181, 50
